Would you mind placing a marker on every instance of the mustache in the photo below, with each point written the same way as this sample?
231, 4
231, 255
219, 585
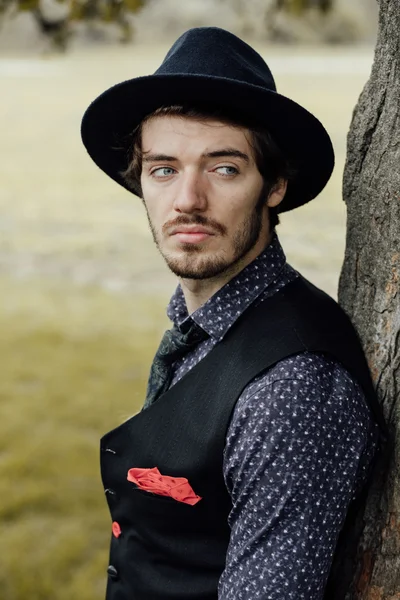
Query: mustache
195, 220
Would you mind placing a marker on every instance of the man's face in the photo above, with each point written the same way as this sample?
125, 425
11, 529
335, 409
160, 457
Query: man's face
203, 196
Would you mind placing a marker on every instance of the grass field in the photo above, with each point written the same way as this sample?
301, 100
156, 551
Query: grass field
83, 294
73, 365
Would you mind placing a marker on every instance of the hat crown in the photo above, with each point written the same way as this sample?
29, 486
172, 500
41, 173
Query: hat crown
215, 52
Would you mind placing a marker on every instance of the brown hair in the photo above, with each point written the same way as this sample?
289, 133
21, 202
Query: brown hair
270, 161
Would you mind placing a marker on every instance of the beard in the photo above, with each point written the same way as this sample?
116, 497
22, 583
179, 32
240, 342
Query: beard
192, 265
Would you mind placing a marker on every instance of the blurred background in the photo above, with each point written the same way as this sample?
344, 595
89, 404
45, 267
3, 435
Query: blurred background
83, 290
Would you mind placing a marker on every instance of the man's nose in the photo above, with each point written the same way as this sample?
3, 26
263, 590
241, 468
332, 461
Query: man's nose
191, 194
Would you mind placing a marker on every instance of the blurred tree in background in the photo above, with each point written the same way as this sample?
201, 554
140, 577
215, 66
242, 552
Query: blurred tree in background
287, 21
106, 11
300, 6
55, 18
299, 21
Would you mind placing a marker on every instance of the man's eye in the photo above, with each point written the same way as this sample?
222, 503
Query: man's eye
162, 172
227, 170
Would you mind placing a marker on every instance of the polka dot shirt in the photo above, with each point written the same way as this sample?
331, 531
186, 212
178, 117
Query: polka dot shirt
298, 449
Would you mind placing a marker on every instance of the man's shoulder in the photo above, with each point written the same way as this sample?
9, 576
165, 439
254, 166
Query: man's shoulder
305, 384
319, 369
306, 365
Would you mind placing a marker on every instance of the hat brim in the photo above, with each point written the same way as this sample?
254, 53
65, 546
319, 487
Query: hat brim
112, 116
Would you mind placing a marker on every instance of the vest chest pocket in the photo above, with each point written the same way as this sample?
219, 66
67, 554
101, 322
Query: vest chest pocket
149, 495
149, 504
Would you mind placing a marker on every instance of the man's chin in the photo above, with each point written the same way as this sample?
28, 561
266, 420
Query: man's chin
195, 267
184, 272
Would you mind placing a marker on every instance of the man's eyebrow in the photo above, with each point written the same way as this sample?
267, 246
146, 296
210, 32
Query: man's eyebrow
158, 158
227, 152
224, 152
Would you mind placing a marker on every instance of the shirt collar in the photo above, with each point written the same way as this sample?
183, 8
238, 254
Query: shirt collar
220, 311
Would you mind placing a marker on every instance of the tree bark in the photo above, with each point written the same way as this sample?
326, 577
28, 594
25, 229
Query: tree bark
369, 291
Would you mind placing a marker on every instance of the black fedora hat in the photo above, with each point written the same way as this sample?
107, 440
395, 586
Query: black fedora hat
209, 63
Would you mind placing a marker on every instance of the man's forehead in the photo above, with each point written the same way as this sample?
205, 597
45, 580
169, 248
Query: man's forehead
179, 125
204, 133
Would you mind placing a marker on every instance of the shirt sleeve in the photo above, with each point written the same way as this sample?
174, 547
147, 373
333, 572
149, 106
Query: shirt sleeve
300, 440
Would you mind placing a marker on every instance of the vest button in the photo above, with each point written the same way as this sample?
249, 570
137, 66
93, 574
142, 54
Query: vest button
110, 450
112, 572
116, 529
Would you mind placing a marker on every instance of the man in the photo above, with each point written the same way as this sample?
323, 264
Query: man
260, 421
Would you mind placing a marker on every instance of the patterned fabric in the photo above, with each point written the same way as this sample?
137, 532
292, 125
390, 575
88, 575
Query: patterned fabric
298, 449
175, 342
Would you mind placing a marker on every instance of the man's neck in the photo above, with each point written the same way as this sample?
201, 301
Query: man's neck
198, 291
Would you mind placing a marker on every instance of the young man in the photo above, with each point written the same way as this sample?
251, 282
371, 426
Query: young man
260, 421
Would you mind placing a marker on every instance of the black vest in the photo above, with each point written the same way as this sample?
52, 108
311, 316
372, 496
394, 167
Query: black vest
169, 550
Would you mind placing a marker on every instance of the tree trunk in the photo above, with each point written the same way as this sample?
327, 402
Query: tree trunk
369, 291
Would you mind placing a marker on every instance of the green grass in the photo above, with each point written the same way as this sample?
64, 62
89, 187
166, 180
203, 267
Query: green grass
74, 365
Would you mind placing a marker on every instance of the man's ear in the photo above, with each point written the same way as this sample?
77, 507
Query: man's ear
277, 193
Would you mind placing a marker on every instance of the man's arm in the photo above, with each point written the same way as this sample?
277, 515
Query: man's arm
298, 445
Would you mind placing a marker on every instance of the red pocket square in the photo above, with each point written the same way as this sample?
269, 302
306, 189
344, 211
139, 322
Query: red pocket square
151, 480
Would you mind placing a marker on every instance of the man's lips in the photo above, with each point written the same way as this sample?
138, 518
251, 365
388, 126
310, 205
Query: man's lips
190, 229
191, 234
